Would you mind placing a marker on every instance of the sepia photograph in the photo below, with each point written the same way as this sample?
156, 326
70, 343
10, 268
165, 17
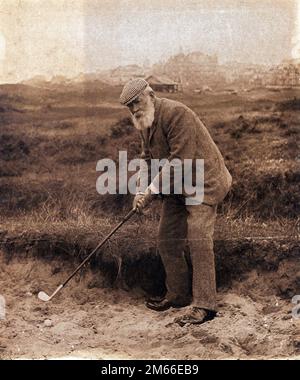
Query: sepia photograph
149, 181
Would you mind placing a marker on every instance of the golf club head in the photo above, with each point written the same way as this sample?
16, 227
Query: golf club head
43, 296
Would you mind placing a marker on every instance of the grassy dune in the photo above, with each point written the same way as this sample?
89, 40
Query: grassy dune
51, 140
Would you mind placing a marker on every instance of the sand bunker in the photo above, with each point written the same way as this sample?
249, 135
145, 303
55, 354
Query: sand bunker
88, 320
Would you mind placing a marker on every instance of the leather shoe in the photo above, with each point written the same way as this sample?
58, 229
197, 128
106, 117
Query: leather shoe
164, 304
152, 299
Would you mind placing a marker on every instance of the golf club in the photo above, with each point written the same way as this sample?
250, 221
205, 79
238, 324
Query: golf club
44, 296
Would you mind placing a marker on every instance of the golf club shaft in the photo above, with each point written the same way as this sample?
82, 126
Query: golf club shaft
127, 217
56, 291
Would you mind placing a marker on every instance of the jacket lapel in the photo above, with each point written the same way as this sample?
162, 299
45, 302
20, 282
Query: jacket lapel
157, 105
145, 137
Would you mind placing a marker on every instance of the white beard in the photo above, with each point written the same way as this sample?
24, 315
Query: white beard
145, 121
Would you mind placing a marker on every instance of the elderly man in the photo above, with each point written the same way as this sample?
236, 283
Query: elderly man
170, 130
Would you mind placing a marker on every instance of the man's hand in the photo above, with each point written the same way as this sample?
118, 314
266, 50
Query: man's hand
143, 200
138, 197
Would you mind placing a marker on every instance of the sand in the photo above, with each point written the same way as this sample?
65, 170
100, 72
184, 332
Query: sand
90, 321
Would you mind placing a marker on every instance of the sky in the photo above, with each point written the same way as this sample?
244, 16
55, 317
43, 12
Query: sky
52, 37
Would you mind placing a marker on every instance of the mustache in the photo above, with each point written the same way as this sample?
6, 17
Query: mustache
139, 114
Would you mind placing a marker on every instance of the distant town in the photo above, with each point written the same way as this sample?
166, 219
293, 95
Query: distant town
195, 71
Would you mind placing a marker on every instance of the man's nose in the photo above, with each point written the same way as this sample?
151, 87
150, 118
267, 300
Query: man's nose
133, 108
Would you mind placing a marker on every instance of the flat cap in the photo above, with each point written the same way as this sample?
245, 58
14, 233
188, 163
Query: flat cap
132, 90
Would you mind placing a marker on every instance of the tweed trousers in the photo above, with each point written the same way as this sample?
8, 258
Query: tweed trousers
185, 243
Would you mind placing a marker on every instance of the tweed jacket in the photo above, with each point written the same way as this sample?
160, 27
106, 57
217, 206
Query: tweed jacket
177, 132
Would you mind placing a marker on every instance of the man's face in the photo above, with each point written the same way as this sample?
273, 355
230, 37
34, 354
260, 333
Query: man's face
142, 110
